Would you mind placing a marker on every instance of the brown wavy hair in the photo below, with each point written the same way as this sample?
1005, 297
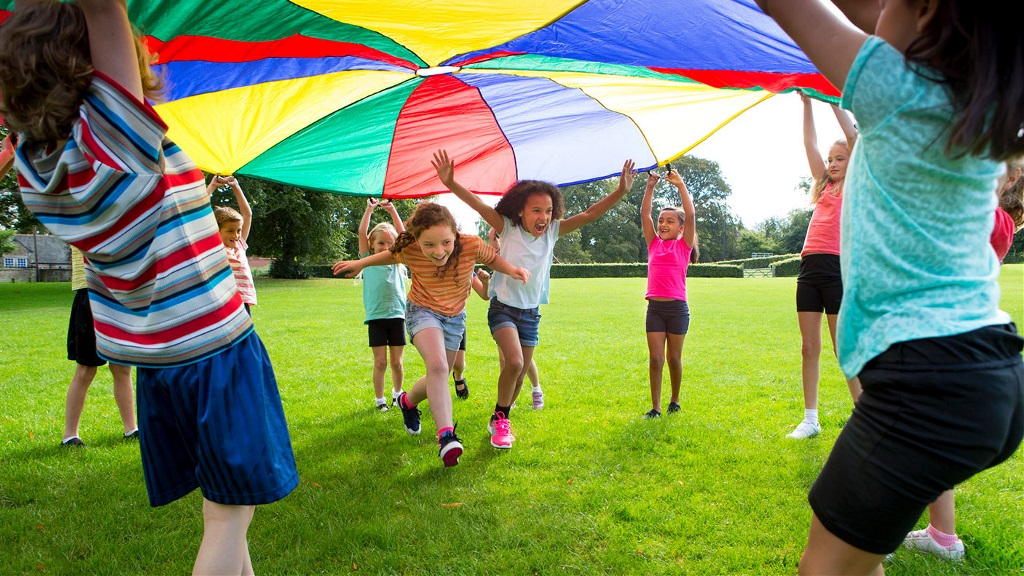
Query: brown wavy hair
1011, 199
46, 68
513, 201
427, 215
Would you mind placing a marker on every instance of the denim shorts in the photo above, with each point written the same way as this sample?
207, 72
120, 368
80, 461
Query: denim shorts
418, 318
526, 322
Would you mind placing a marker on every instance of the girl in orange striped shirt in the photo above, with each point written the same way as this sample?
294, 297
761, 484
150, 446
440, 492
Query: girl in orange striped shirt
440, 262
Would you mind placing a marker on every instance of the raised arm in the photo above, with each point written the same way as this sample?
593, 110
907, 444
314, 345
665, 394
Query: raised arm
445, 168
601, 206
846, 123
646, 220
690, 225
243, 205
364, 226
353, 267
7, 154
111, 43
825, 37
395, 218
814, 160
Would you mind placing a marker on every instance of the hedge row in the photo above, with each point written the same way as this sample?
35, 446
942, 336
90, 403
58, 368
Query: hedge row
631, 270
639, 270
765, 262
790, 267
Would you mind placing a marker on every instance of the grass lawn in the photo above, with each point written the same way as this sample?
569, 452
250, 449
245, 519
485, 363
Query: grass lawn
589, 488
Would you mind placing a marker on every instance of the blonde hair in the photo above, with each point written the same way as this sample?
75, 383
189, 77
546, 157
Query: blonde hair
382, 228
821, 183
46, 68
226, 214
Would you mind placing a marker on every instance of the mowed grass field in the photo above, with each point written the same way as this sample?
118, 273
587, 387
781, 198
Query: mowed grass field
589, 487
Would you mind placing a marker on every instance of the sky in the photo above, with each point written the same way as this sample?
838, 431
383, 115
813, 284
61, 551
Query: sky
760, 153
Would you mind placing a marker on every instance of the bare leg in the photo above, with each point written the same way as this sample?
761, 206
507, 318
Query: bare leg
434, 385
810, 353
397, 368
459, 366
527, 362
224, 549
942, 513
124, 395
656, 348
75, 401
674, 357
853, 383
827, 555
532, 373
380, 365
508, 343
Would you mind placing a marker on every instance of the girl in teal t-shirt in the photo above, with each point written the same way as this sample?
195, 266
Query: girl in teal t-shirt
384, 302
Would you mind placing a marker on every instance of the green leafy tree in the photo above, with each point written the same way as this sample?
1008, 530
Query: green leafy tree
291, 225
6, 242
751, 242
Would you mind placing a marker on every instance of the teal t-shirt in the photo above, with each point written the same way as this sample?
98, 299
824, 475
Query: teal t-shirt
915, 225
383, 291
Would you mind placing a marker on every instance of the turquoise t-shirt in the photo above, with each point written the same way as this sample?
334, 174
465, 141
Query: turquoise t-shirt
914, 246
383, 291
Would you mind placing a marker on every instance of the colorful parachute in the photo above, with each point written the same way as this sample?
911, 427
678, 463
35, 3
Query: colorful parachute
354, 96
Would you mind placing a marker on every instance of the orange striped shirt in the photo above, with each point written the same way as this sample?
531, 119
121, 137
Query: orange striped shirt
447, 295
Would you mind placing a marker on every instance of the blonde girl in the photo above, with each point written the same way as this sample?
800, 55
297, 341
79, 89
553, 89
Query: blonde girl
384, 302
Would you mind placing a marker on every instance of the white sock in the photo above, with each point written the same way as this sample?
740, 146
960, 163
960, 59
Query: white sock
127, 434
69, 439
381, 401
395, 395
811, 415
537, 388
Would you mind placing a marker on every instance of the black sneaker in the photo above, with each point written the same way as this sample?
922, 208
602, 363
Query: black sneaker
72, 442
652, 414
674, 407
411, 416
133, 435
382, 407
464, 391
449, 449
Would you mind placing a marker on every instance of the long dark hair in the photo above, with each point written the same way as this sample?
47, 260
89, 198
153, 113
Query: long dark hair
427, 215
977, 51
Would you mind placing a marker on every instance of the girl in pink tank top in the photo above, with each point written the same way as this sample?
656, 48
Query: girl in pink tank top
819, 285
670, 249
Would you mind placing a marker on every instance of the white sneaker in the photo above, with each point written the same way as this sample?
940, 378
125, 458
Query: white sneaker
923, 541
805, 429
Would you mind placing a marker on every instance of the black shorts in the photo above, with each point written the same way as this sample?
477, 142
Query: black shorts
933, 413
672, 317
386, 332
82, 332
819, 286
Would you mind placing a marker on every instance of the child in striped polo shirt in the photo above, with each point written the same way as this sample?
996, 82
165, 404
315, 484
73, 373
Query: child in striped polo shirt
96, 167
233, 227
441, 262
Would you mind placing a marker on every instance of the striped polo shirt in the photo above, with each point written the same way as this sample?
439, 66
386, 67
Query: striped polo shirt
160, 286
446, 296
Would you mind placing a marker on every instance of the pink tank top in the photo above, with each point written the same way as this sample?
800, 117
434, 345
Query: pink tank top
823, 231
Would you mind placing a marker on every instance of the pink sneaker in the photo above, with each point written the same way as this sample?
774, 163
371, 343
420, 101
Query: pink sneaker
501, 432
538, 399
